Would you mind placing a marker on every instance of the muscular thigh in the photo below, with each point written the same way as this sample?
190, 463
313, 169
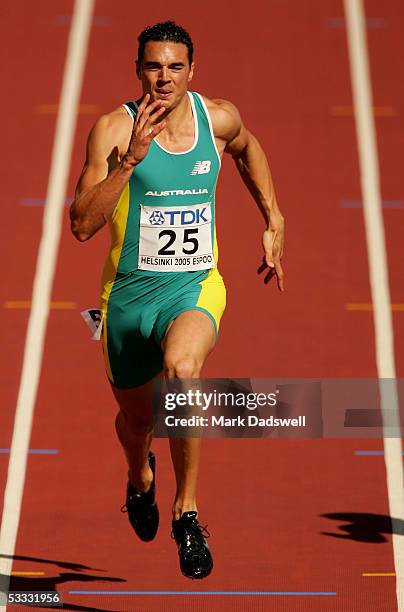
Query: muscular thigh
132, 353
180, 317
193, 331
191, 335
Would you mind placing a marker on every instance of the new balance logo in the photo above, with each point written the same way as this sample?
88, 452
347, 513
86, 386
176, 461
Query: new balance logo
201, 167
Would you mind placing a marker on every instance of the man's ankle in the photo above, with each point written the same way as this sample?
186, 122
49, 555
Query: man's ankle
141, 482
180, 508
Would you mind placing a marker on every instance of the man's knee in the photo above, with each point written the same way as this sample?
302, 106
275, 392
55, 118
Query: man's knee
182, 367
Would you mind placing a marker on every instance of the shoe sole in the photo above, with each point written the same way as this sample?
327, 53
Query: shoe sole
200, 577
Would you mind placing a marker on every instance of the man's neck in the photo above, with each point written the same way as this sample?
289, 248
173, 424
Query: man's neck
177, 118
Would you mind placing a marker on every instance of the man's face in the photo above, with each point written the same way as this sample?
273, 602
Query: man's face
165, 72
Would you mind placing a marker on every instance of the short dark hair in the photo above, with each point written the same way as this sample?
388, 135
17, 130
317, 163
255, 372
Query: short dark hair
166, 31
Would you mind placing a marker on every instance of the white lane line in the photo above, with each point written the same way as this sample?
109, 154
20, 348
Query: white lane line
378, 272
45, 268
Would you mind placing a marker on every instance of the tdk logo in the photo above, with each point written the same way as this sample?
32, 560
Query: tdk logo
178, 217
201, 167
156, 218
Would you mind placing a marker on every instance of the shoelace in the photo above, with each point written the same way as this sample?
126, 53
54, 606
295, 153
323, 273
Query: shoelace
194, 533
135, 495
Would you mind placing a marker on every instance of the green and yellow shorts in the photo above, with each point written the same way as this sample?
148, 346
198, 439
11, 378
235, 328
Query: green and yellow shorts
137, 310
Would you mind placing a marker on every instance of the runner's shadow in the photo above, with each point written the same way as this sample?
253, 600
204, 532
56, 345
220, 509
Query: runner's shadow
363, 527
49, 583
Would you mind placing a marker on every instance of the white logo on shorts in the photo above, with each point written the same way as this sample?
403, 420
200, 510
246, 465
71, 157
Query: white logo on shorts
201, 167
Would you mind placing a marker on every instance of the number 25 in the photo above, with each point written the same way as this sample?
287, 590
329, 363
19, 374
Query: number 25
172, 236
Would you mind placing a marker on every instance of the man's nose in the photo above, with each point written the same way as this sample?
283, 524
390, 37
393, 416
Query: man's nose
163, 74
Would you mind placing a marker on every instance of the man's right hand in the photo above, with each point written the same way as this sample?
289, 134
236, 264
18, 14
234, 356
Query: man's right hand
100, 185
145, 128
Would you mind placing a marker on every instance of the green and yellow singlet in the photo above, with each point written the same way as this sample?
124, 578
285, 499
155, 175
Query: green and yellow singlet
163, 257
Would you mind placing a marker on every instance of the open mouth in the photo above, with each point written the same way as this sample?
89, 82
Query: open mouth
163, 93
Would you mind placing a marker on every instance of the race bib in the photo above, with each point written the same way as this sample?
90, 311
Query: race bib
94, 320
176, 239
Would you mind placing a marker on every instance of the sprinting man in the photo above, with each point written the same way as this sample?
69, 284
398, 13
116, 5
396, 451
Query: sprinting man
150, 174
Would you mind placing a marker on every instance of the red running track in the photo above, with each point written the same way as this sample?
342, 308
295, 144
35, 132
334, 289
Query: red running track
286, 67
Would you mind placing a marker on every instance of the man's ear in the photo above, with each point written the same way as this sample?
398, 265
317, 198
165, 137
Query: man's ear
191, 72
138, 70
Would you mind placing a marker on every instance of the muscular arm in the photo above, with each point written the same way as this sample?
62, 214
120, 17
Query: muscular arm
102, 180
253, 167
105, 174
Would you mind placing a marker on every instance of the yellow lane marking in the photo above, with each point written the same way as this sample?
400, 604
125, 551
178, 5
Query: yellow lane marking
369, 307
28, 573
379, 574
378, 111
26, 304
83, 109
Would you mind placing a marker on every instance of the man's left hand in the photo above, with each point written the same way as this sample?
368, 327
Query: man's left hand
272, 242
